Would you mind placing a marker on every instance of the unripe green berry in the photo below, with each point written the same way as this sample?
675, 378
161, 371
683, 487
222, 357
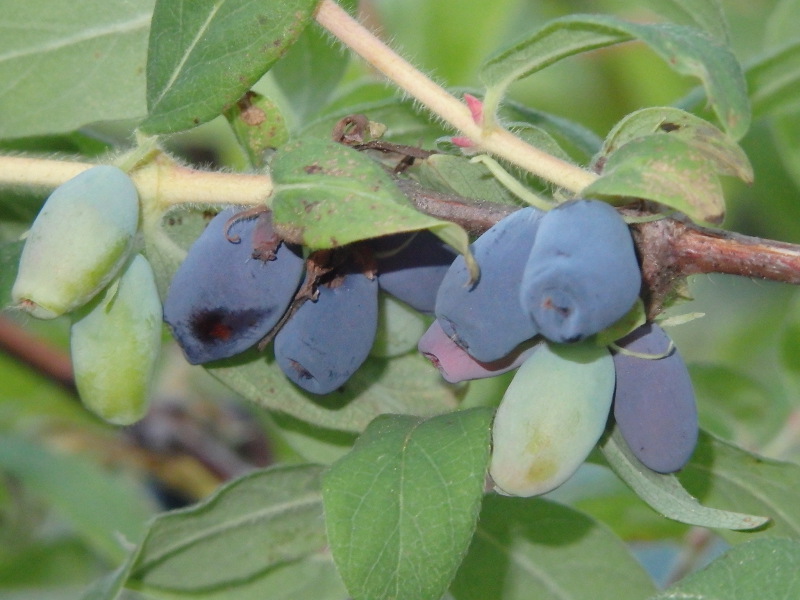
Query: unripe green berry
115, 342
78, 242
550, 418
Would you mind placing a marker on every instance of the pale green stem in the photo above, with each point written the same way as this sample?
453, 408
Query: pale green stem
436, 99
162, 180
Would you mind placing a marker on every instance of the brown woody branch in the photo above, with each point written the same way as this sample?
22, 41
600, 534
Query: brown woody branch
669, 249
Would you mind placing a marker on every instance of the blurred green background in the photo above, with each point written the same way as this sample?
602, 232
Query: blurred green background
72, 488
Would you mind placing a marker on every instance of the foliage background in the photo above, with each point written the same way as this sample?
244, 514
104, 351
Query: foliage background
72, 485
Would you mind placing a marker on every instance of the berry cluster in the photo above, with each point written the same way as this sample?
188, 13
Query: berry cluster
561, 277
79, 259
239, 284
545, 277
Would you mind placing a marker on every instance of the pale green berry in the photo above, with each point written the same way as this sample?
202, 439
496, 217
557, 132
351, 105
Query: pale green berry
115, 342
78, 242
551, 416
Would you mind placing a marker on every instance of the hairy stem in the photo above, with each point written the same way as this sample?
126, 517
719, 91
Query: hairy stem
161, 179
486, 136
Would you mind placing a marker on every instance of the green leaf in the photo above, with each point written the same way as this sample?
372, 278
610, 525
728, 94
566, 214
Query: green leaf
707, 15
312, 442
666, 169
401, 507
257, 522
724, 155
687, 50
44, 563
738, 408
405, 122
205, 54
83, 62
763, 569
539, 138
407, 384
720, 473
774, 81
77, 488
569, 133
310, 72
665, 494
457, 174
329, 195
110, 586
525, 549
313, 578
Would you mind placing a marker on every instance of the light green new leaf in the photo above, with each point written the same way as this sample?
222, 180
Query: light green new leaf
666, 169
205, 54
722, 474
725, 155
401, 507
533, 548
687, 50
763, 569
259, 521
665, 494
103, 509
67, 64
329, 195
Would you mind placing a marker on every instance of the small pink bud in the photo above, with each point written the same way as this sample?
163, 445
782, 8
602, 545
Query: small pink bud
475, 108
462, 142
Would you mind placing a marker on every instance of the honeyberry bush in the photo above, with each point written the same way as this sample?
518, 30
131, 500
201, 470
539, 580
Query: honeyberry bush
677, 112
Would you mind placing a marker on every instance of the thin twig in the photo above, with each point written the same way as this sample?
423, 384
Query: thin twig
37, 354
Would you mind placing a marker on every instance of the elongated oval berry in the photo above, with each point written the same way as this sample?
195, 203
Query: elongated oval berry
582, 274
222, 300
78, 243
115, 342
411, 267
486, 318
550, 418
327, 340
456, 365
654, 401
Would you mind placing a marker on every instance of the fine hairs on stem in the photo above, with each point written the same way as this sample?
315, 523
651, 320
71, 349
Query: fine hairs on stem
491, 139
